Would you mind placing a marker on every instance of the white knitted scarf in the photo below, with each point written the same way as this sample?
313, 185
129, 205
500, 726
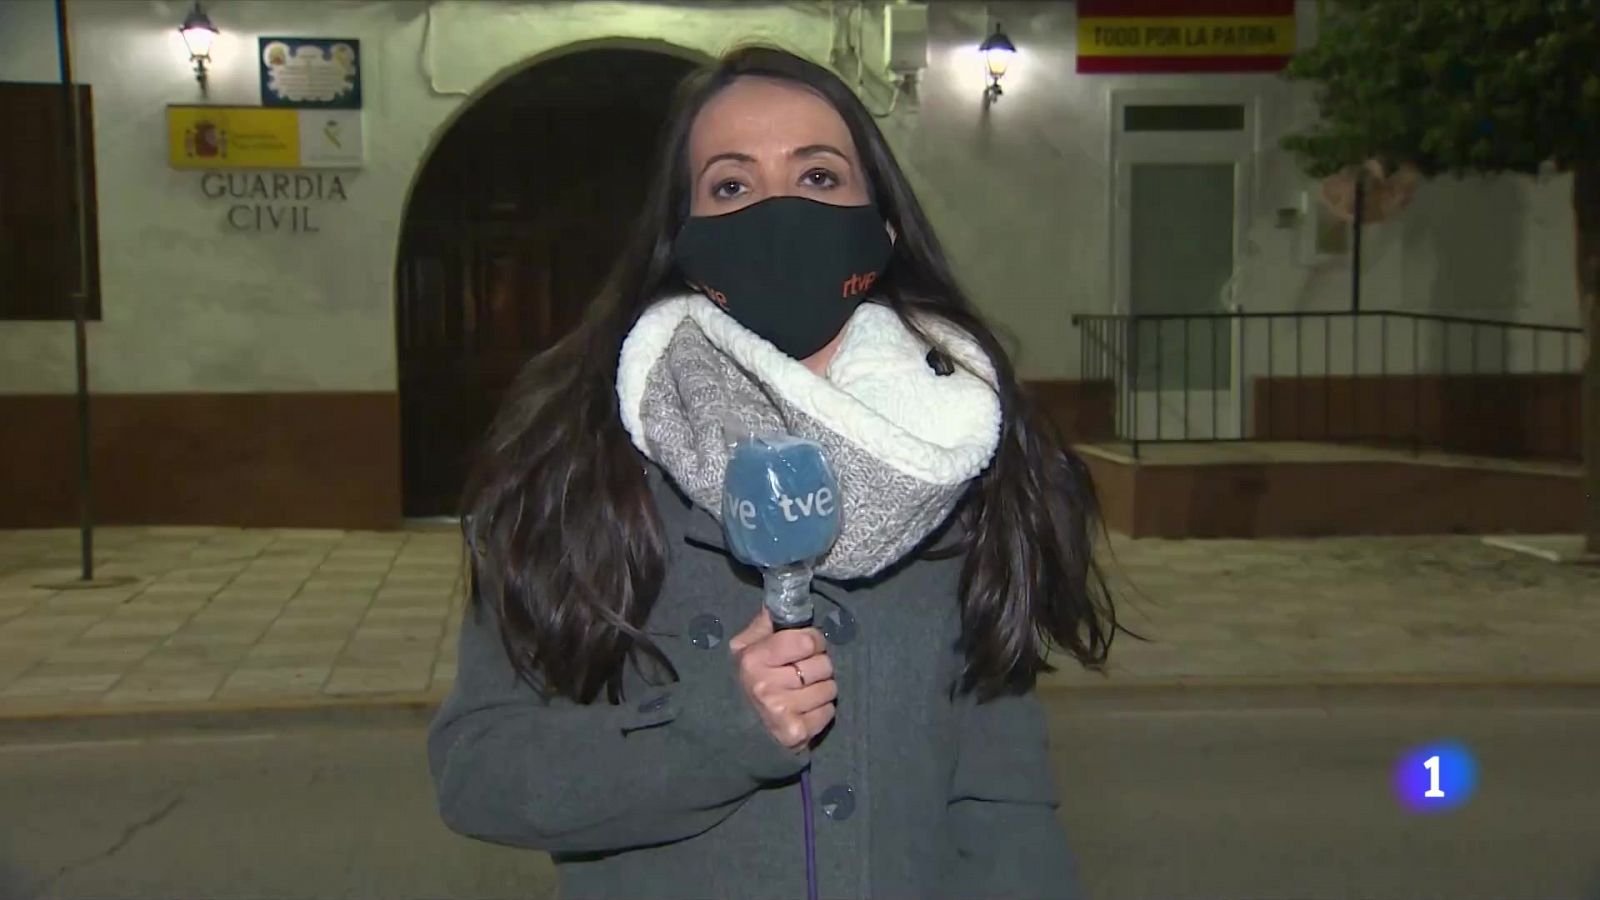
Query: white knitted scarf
903, 440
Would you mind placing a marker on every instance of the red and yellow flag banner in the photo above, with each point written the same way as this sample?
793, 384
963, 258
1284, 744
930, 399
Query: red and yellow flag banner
1185, 35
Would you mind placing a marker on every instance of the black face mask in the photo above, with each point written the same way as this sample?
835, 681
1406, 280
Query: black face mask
789, 269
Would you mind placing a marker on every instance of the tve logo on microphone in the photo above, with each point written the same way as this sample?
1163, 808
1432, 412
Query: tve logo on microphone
818, 502
780, 501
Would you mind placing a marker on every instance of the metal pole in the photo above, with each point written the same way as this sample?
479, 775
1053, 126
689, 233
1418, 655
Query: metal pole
70, 97
1447, 402
1383, 376
1185, 322
1355, 377
1572, 433
1265, 431
1416, 389
1475, 381
1216, 380
1355, 243
1135, 374
1355, 298
1299, 374
1327, 377
1161, 385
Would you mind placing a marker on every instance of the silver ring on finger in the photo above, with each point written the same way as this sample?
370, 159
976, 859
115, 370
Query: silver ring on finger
799, 673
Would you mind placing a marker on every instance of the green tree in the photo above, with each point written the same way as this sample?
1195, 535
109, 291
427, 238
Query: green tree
1471, 87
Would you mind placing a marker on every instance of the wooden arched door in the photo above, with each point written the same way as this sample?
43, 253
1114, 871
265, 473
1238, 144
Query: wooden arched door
514, 221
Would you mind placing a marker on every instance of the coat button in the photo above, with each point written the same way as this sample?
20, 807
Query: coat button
653, 706
705, 631
838, 802
838, 626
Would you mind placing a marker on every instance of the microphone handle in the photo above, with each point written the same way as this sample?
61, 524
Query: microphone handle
787, 595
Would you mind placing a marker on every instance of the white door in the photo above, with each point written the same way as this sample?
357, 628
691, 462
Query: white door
1181, 177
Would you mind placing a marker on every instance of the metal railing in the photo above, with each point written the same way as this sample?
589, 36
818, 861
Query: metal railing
1417, 380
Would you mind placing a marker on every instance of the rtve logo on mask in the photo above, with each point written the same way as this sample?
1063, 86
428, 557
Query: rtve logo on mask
858, 284
855, 284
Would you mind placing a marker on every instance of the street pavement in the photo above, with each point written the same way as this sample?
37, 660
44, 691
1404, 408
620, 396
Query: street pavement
244, 717
1168, 793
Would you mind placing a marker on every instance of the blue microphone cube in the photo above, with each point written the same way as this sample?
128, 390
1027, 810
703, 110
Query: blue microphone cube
780, 501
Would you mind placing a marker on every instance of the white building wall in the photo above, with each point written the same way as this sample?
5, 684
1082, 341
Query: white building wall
1020, 194
192, 306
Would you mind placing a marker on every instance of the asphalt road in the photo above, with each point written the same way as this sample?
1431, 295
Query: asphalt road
1167, 795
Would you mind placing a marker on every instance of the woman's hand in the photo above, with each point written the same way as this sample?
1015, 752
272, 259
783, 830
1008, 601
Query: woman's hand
788, 677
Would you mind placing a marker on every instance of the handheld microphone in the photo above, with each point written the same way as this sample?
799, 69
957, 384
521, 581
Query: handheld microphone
780, 509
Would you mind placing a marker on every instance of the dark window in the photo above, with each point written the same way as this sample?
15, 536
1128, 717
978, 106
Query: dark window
1183, 117
39, 267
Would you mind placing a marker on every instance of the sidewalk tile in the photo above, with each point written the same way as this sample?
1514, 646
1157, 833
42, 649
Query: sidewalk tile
360, 558
46, 624
12, 667
422, 584
9, 613
402, 615
295, 624
135, 628
275, 680
31, 650
449, 559
333, 607
234, 617
422, 633
372, 680
153, 600
388, 654
203, 574
336, 592
243, 634
281, 565
34, 576
203, 588
36, 685
262, 593
223, 556
325, 650
186, 687
436, 600
10, 595
189, 657
110, 652
323, 579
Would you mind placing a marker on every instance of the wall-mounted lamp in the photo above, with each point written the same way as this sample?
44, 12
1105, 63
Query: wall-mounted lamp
198, 33
997, 51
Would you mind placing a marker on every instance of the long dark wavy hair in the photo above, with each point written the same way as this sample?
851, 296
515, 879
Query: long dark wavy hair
564, 541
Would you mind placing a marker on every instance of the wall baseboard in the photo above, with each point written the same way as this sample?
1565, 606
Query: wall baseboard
314, 460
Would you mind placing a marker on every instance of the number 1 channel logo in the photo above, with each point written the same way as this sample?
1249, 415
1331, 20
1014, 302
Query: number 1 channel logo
1435, 777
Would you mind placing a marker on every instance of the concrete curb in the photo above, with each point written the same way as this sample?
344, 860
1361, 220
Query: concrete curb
265, 706
1316, 682
410, 705
1412, 695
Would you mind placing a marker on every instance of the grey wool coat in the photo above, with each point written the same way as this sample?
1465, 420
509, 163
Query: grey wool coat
679, 792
